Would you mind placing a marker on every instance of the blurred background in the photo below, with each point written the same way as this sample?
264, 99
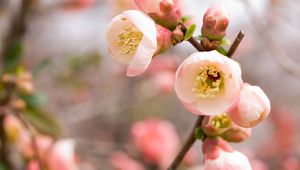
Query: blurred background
96, 104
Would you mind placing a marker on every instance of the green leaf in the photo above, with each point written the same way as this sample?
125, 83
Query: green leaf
3, 167
190, 31
222, 51
225, 41
34, 101
13, 58
186, 18
199, 134
43, 122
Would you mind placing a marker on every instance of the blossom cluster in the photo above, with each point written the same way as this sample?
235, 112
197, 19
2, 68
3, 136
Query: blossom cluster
42, 151
207, 83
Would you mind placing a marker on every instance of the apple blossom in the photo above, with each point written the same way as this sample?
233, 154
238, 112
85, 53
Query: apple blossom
157, 140
253, 107
133, 39
164, 12
215, 22
208, 83
218, 155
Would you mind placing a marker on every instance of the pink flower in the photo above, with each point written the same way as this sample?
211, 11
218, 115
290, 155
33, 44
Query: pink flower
253, 107
121, 161
218, 155
134, 39
59, 156
157, 140
215, 22
62, 156
208, 83
164, 12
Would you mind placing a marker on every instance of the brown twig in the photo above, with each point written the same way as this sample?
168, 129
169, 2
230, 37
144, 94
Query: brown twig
187, 145
236, 43
15, 34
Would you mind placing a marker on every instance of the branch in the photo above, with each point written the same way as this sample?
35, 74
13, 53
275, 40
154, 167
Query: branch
236, 43
186, 147
191, 139
15, 34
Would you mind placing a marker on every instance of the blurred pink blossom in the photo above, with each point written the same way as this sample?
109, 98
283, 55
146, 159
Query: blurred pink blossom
59, 156
291, 163
121, 161
157, 140
207, 83
253, 107
162, 72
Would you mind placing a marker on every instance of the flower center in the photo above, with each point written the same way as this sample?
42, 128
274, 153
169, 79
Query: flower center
221, 121
129, 40
208, 82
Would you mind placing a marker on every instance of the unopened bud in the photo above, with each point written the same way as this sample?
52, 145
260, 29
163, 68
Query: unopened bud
215, 22
8, 78
18, 104
25, 87
164, 12
253, 107
164, 38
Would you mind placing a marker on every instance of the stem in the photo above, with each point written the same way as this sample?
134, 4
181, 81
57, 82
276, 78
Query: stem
192, 40
191, 139
17, 30
236, 43
188, 144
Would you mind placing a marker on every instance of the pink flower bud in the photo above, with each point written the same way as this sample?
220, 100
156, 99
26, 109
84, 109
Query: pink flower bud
215, 22
236, 133
121, 161
157, 140
134, 39
218, 155
253, 107
164, 12
208, 83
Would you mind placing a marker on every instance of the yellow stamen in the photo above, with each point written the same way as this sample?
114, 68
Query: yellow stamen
208, 82
129, 40
221, 121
